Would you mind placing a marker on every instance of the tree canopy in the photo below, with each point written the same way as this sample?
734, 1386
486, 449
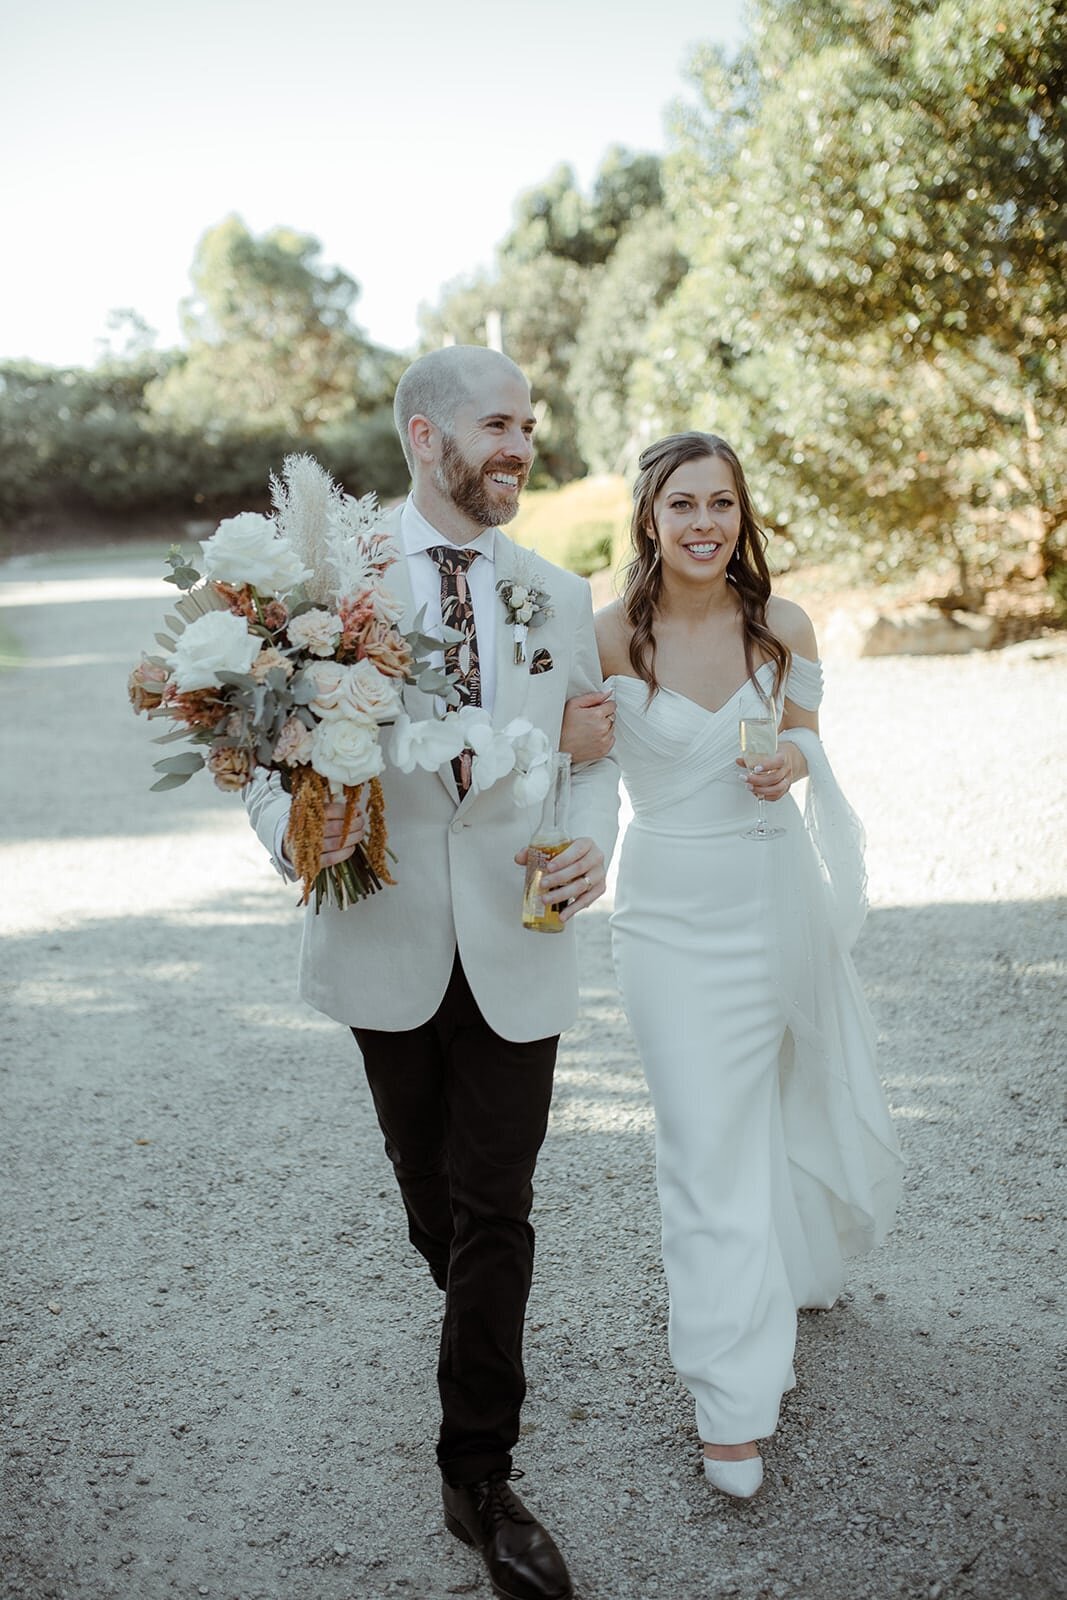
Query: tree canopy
875, 302
851, 262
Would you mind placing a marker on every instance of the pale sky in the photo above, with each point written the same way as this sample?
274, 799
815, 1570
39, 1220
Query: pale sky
400, 135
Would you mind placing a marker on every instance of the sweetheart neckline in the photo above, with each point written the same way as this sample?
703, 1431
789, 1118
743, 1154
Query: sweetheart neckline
626, 677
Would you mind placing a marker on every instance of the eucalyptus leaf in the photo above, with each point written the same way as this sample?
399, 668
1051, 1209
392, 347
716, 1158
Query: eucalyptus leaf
172, 737
165, 641
175, 624
171, 781
236, 680
434, 680
188, 763
183, 577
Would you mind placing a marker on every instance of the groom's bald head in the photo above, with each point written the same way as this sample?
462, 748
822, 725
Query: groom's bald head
436, 385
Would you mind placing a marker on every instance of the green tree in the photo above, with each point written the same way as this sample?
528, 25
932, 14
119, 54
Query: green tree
275, 365
547, 274
556, 219
272, 344
540, 305
869, 200
72, 435
644, 270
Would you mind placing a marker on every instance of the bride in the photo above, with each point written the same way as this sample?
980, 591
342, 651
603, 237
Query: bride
775, 1157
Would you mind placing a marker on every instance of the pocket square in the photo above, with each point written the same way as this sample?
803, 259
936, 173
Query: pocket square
542, 662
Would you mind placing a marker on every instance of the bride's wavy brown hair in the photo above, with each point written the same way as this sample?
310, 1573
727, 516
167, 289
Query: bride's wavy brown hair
747, 572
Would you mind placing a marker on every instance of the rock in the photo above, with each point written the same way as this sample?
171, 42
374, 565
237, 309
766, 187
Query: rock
913, 631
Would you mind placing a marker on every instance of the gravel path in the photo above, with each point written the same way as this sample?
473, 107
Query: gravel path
217, 1349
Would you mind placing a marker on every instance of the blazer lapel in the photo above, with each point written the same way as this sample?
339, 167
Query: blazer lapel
512, 678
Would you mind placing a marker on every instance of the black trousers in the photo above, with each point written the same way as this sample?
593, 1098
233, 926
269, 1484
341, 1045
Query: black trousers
464, 1113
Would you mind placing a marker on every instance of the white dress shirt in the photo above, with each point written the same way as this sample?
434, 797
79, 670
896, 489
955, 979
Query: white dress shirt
425, 575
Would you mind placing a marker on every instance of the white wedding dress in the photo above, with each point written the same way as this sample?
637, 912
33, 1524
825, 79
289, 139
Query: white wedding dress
775, 1155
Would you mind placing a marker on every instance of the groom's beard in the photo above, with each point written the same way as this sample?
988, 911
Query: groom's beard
466, 487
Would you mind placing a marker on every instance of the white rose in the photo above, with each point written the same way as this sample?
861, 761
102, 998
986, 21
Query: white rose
327, 679
370, 693
246, 549
217, 642
315, 631
346, 751
428, 744
525, 612
518, 594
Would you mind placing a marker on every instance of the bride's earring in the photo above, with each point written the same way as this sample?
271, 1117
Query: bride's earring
655, 551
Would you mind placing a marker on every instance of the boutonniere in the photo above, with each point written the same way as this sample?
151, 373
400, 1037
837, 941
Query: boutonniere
526, 605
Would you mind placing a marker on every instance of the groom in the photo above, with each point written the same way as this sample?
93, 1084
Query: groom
455, 1007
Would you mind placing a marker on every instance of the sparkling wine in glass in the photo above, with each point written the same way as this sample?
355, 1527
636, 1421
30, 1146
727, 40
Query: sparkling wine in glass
759, 739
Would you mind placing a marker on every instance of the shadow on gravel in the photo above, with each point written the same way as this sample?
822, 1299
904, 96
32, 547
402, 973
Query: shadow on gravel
219, 1352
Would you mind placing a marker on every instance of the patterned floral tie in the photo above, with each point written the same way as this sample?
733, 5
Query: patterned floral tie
461, 659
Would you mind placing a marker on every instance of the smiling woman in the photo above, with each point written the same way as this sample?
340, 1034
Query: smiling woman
699, 549
775, 1155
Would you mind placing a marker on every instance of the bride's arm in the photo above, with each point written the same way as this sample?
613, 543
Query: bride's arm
588, 731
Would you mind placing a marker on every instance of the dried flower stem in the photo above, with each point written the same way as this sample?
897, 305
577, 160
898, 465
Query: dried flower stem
307, 822
377, 833
365, 871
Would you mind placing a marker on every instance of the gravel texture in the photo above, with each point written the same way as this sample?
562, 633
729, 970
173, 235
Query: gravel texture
217, 1347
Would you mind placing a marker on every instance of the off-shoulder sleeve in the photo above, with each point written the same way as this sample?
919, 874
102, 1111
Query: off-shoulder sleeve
804, 683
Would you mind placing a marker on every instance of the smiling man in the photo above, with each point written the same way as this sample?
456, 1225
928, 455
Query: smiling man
455, 1007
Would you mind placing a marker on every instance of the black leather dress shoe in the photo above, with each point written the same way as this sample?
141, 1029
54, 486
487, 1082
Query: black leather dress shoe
522, 1561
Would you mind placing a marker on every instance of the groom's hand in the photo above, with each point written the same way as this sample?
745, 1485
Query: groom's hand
338, 845
577, 877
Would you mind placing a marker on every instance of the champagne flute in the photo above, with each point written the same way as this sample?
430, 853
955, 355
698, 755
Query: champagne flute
759, 738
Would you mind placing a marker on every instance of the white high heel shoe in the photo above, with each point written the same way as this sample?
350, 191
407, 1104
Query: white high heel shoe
741, 1479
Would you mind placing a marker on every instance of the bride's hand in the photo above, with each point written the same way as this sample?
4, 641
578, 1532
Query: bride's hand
774, 776
588, 731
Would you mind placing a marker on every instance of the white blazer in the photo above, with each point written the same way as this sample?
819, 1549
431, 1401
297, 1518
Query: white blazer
385, 962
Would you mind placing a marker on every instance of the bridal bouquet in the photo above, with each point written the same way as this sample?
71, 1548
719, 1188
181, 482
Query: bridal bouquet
286, 655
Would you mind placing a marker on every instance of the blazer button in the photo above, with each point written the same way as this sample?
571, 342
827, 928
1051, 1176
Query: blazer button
458, 827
